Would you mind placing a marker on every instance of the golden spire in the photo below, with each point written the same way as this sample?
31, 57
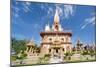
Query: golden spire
56, 17
31, 42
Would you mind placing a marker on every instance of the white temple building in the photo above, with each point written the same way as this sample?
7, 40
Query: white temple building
55, 41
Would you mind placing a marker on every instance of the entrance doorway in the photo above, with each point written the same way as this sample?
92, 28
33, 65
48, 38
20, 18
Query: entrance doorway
56, 52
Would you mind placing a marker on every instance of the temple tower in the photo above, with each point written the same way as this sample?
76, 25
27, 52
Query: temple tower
30, 50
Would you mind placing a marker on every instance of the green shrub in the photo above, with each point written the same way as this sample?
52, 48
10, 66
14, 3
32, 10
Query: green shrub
13, 58
47, 55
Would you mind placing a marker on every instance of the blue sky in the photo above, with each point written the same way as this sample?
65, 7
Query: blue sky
28, 19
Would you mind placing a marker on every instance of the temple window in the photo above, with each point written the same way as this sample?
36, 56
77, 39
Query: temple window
62, 39
50, 39
56, 50
63, 49
33, 51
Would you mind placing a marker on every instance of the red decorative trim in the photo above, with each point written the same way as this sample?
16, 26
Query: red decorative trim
55, 33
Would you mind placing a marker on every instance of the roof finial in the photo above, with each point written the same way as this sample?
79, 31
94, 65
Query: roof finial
47, 27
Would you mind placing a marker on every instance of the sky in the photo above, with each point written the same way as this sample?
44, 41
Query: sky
28, 19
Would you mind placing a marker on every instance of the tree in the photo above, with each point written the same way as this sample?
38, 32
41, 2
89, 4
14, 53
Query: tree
92, 52
85, 52
18, 45
68, 55
22, 56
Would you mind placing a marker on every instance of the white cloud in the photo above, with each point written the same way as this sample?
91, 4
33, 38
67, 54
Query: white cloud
68, 10
88, 21
28, 3
65, 11
15, 13
82, 27
42, 7
60, 10
26, 6
16, 9
50, 10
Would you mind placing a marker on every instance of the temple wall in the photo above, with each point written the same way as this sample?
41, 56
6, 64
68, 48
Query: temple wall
45, 49
52, 39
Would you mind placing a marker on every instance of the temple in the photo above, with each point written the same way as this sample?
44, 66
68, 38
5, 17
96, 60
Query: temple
30, 51
55, 40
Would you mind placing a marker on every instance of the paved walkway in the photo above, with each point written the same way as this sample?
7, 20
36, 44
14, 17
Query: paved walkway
55, 60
